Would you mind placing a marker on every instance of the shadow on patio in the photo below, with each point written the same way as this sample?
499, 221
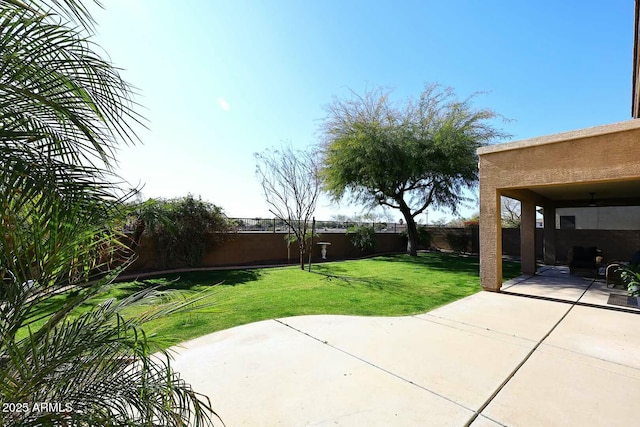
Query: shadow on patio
555, 283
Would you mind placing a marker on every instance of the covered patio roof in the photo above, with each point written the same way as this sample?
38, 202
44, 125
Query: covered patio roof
562, 170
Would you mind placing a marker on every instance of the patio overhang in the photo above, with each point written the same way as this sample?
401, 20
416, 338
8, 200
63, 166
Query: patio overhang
635, 78
553, 171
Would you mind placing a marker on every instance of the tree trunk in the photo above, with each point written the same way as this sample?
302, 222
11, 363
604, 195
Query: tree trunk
301, 235
412, 230
412, 236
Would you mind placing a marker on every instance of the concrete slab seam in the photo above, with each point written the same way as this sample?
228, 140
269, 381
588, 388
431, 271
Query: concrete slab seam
577, 302
492, 420
521, 364
516, 280
375, 366
444, 319
593, 357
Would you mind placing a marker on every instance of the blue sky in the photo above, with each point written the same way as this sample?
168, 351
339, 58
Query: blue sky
221, 80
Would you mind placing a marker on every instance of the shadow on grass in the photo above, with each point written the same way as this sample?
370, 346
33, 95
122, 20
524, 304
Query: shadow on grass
451, 263
48, 305
196, 279
438, 261
338, 273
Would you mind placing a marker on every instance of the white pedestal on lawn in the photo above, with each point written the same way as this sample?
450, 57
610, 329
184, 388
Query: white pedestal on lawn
323, 249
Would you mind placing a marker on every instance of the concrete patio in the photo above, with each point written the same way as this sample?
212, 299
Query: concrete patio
555, 283
490, 359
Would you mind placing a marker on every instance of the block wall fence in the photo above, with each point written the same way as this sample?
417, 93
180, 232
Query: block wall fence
268, 248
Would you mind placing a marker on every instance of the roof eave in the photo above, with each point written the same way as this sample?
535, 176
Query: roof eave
635, 90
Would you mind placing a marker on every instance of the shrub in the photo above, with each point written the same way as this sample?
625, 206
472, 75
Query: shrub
363, 238
186, 228
631, 279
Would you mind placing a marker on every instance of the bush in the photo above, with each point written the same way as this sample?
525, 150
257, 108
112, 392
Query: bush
186, 228
363, 238
631, 279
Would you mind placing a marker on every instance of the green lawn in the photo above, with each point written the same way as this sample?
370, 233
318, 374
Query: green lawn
382, 286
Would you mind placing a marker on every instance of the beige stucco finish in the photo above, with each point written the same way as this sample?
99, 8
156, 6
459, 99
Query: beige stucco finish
603, 218
545, 171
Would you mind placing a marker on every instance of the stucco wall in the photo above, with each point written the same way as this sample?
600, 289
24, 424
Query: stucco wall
568, 158
615, 244
265, 247
603, 218
259, 248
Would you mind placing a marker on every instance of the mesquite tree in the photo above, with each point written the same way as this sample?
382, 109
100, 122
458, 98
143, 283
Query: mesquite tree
420, 154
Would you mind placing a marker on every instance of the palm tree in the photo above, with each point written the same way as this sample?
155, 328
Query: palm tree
63, 112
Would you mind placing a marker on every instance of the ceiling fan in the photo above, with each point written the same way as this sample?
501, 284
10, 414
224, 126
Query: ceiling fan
592, 202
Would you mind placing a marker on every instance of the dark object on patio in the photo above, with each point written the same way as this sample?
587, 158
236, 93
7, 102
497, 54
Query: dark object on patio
613, 270
623, 300
584, 259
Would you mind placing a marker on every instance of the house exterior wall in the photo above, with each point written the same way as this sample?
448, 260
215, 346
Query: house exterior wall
616, 245
602, 154
602, 218
568, 158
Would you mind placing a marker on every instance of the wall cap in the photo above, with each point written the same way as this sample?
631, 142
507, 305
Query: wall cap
561, 137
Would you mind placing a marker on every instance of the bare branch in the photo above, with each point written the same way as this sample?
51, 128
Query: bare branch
290, 182
510, 213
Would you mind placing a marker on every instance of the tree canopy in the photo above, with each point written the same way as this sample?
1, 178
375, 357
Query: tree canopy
406, 157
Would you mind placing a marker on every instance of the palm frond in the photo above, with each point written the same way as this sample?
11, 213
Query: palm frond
98, 364
70, 9
64, 112
57, 96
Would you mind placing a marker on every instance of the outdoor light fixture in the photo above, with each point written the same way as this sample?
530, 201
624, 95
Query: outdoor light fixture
592, 203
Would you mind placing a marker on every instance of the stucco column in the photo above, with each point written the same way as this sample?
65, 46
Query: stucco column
490, 238
528, 236
549, 241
